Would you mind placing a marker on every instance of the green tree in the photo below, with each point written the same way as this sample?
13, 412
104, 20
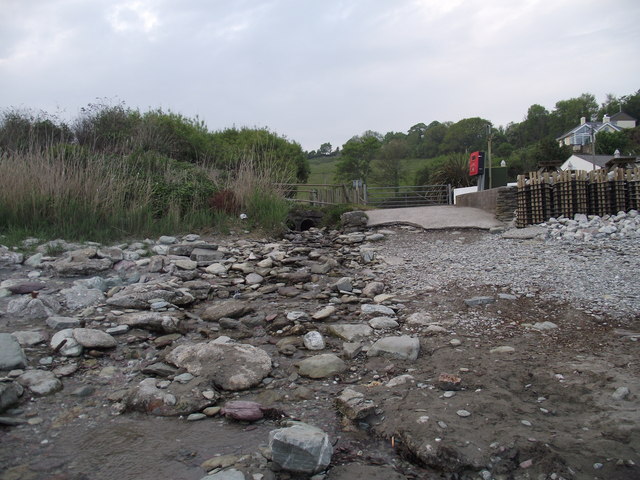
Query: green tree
610, 106
357, 154
415, 137
390, 136
548, 150
467, 135
608, 142
433, 138
325, 149
388, 168
567, 113
631, 105
537, 123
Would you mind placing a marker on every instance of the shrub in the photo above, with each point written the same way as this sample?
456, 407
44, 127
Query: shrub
106, 128
454, 171
224, 201
332, 214
23, 130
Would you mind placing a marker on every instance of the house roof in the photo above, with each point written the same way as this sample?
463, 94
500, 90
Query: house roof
599, 160
597, 126
621, 116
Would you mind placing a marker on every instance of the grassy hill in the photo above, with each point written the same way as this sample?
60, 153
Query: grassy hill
323, 169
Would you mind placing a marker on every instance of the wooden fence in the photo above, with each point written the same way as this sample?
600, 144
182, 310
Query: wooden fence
553, 194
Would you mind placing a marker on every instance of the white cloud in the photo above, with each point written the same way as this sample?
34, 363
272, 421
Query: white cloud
136, 16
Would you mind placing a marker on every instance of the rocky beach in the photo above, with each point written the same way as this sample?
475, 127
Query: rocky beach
386, 353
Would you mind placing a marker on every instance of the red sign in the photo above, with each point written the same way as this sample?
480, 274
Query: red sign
476, 163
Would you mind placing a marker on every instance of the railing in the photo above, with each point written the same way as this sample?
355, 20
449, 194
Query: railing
380, 197
323, 194
408, 196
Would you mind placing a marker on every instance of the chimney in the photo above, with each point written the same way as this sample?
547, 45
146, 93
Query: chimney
606, 119
583, 120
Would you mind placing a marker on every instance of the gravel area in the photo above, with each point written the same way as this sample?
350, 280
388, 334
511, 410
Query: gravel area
599, 277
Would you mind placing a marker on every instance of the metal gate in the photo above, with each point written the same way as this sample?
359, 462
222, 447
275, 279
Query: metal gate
379, 197
408, 196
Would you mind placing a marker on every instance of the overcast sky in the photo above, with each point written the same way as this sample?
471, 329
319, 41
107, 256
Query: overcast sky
317, 71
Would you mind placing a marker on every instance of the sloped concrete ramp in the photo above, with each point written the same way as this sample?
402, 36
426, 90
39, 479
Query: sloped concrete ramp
434, 218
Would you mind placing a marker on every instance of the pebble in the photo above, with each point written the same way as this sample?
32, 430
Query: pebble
598, 257
502, 349
526, 464
118, 330
463, 413
195, 417
183, 378
620, 394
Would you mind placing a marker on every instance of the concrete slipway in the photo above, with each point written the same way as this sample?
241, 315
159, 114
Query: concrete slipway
434, 218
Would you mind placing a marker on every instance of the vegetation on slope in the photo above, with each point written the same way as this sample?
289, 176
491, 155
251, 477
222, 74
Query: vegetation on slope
115, 172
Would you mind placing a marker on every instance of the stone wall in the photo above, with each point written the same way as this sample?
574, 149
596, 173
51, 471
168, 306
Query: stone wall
499, 201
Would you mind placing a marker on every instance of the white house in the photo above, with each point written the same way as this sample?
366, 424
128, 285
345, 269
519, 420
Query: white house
581, 137
579, 161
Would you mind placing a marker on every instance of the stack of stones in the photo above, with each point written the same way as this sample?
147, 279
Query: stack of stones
592, 227
506, 204
354, 221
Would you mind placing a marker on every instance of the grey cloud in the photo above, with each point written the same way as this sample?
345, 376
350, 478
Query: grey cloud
317, 71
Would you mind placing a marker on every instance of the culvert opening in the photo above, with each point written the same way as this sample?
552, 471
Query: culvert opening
306, 224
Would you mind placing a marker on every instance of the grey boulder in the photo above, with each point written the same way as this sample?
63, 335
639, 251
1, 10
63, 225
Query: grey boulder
27, 307
93, 338
403, 347
353, 405
81, 265
230, 366
321, 366
300, 448
65, 343
227, 308
9, 394
350, 332
40, 382
80, 296
11, 353
153, 321
230, 474
139, 295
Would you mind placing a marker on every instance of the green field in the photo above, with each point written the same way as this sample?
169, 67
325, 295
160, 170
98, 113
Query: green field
323, 170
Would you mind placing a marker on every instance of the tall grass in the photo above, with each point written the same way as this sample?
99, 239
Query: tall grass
257, 188
62, 193
76, 195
